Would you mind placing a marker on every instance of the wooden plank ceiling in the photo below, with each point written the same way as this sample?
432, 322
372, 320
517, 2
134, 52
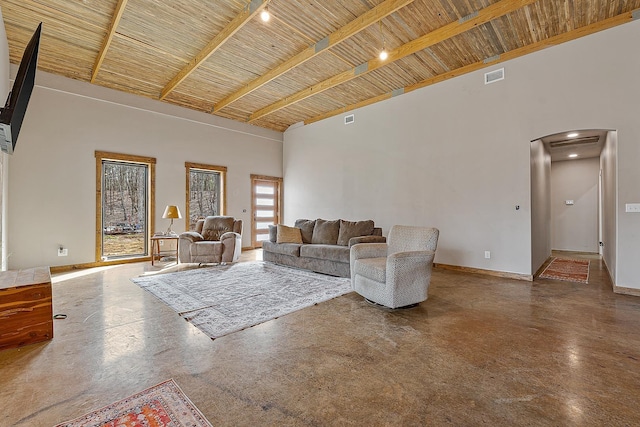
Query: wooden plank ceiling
311, 60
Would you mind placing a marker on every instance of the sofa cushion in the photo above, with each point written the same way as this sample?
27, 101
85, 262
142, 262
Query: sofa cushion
306, 228
349, 229
326, 232
328, 252
292, 249
216, 226
286, 234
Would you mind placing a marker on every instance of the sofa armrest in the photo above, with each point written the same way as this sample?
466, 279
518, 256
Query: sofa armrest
191, 236
367, 239
231, 246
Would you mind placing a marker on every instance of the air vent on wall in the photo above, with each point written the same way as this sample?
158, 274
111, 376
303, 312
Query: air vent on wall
571, 142
494, 76
349, 119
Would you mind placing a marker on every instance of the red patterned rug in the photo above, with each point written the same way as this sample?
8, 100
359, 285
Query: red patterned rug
161, 405
570, 270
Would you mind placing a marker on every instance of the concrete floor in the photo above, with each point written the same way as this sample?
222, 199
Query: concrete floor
480, 351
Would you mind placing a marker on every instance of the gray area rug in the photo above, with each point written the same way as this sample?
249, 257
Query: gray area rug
224, 299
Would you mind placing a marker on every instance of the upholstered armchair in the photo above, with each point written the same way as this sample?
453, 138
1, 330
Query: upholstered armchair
216, 239
397, 273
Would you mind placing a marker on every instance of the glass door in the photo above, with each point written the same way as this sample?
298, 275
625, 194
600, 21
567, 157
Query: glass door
265, 207
124, 210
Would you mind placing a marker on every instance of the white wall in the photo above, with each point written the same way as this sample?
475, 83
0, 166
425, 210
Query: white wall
4, 90
608, 162
540, 205
456, 155
575, 227
52, 173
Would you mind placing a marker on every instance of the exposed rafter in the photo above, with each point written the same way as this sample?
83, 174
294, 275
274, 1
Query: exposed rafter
254, 7
446, 32
107, 41
360, 23
512, 54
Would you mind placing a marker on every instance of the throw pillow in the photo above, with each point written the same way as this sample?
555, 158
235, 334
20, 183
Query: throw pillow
306, 227
273, 233
349, 229
288, 234
326, 232
216, 226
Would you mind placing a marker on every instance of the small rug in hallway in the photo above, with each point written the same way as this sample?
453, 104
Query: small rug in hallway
163, 405
224, 299
570, 270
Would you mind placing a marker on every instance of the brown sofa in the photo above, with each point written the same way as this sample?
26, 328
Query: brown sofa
324, 246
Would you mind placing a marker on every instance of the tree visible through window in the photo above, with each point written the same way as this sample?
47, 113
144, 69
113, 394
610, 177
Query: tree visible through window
124, 204
205, 191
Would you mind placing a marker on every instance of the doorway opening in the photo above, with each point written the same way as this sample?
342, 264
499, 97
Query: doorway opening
573, 190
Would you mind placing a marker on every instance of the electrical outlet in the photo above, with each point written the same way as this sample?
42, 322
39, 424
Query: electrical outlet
63, 251
487, 254
632, 207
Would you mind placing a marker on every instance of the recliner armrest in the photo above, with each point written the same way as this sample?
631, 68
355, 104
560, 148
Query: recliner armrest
367, 239
231, 246
229, 235
191, 236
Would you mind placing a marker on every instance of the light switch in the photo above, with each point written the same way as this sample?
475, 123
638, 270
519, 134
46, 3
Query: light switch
632, 207
568, 202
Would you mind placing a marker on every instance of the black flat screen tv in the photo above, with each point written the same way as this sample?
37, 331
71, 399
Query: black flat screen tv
12, 114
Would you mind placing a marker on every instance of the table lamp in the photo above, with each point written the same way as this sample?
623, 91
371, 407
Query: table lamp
171, 212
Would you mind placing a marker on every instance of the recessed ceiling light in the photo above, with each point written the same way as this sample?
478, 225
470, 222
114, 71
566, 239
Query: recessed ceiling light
573, 156
383, 54
264, 15
572, 135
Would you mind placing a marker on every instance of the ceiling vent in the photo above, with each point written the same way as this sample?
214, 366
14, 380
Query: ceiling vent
349, 119
572, 142
494, 76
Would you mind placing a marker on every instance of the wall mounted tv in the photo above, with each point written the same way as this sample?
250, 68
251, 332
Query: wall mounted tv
12, 114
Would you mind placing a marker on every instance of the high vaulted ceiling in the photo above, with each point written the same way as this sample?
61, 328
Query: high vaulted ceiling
311, 60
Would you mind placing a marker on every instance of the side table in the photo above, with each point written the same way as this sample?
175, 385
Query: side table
157, 253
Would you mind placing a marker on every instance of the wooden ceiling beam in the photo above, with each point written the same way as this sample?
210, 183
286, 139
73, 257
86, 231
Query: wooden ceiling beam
107, 41
254, 7
512, 54
363, 21
446, 32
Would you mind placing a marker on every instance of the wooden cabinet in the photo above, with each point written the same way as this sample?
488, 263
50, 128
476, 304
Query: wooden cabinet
26, 313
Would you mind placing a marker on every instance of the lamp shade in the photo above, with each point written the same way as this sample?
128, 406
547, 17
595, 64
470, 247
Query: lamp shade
172, 212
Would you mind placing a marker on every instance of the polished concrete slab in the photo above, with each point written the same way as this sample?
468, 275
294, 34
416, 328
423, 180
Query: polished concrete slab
480, 351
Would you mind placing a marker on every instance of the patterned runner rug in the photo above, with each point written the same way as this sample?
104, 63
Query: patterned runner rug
224, 299
570, 270
161, 405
